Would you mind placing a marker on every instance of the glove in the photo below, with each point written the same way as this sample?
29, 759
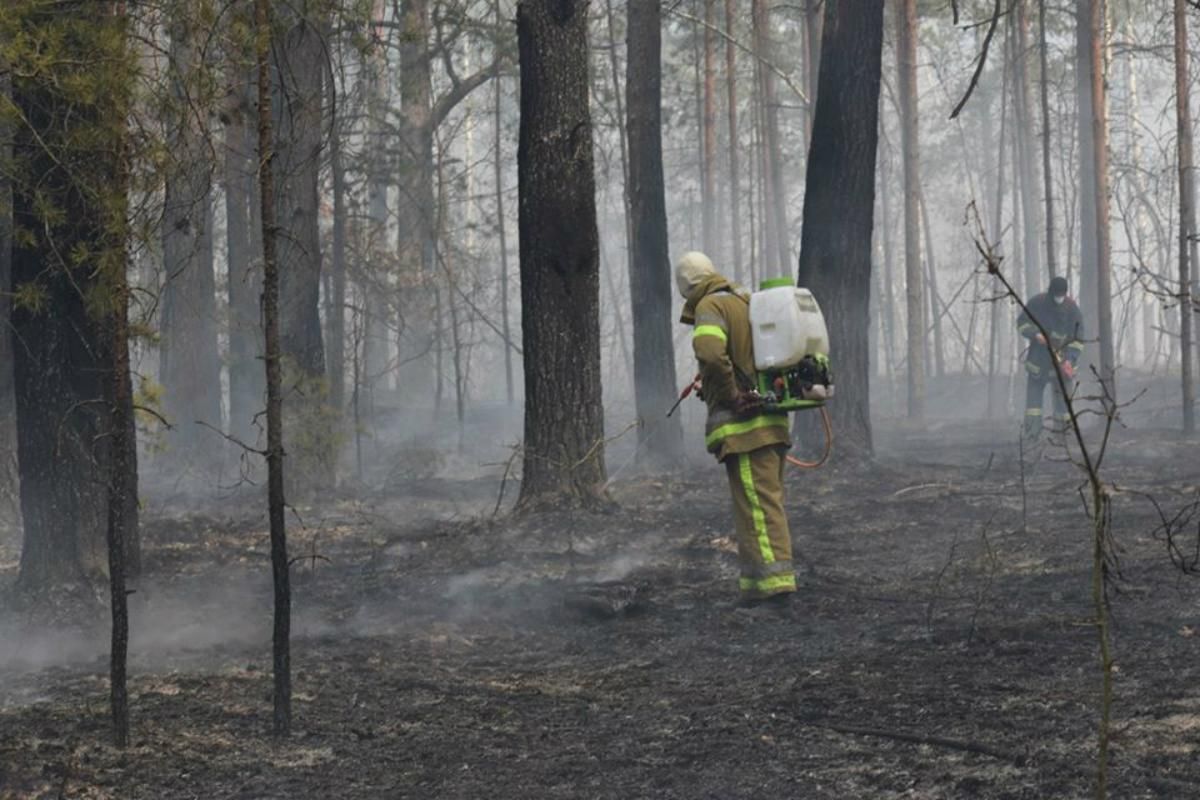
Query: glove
746, 403
1068, 370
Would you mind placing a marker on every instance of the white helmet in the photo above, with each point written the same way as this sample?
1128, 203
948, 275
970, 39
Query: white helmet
693, 267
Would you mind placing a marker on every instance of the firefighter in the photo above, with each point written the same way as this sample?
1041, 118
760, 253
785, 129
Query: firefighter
750, 443
1060, 316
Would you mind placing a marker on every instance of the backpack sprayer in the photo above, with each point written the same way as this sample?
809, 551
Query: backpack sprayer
791, 355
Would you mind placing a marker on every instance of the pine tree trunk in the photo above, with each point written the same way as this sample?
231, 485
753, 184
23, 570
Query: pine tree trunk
560, 315
996, 229
735, 178
906, 61
709, 189
247, 387
650, 264
1048, 178
8, 410
1030, 202
1187, 211
190, 364
62, 365
376, 284
776, 250
415, 204
835, 254
502, 229
813, 23
1087, 291
1091, 12
337, 303
272, 325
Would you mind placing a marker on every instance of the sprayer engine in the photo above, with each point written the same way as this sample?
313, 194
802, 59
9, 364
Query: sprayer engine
807, 384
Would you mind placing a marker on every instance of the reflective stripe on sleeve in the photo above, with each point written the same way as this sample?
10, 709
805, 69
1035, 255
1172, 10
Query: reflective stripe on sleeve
709, 330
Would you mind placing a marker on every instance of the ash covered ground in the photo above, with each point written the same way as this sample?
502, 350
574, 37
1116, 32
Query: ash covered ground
942, 646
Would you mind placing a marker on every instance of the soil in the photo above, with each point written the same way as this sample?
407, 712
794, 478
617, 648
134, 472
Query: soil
942, 644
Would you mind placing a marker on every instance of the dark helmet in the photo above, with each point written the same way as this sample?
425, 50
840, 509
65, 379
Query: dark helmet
1058, 287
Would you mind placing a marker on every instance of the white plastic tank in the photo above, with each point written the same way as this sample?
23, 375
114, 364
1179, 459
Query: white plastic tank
786, 324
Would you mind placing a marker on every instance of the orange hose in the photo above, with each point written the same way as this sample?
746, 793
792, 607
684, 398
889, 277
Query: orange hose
828, 425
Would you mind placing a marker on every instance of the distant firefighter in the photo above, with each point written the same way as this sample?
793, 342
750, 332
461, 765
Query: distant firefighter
751, 442
1059, 315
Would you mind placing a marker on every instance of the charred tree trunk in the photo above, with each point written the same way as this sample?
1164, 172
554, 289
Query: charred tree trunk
190, 365
336, 351
297, 126
62, 352
906, 58
1087, 292
1187, 211
247, 389
272, 335
649, 264
560, 315
839, 209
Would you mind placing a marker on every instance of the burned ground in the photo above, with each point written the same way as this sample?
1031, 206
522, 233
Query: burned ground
942, 647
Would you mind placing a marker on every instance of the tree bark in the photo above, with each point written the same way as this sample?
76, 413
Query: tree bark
272, 335
839, 207
650, 264
336, 351
906, 62
190, 364
1087, 292
560, 315
1187, 210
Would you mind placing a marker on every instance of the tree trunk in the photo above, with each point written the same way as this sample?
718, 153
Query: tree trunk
1043, 50
247, 388
934, 299
502, 230
1087, 292
415, 205
336, 352
1091, 14
64, 206
709, 190
777, 251
906, 62
839, 208
272, 334
8, 410
190, 364
560, 314
996, 312
650, 263
735, 179
1187, 210
377, 284
813, 23
1030, 202
297, 107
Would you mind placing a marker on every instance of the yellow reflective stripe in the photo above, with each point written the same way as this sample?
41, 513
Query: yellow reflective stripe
774, 583
709, 330
1026, 327
734, 428
1033, 412
756, 509
1076, 346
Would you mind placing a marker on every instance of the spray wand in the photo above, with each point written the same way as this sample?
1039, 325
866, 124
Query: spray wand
687, 390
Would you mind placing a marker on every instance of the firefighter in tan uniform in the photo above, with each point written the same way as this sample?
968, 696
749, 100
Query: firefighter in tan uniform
750, 443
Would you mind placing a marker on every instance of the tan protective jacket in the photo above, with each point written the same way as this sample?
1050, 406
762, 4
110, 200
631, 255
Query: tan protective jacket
721, 340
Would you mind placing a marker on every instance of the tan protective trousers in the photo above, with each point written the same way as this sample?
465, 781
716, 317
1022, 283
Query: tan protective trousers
763, 539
